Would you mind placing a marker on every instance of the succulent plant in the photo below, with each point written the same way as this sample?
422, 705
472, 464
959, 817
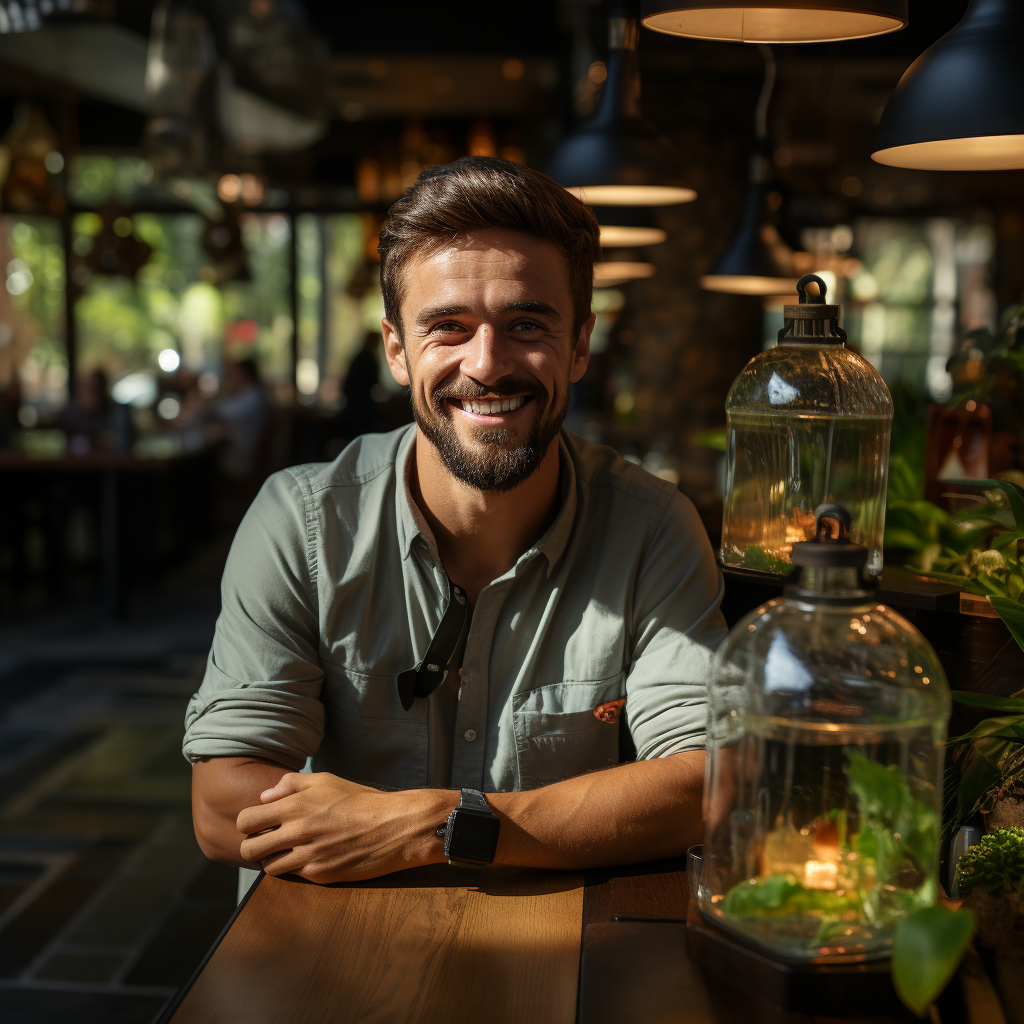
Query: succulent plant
995, 865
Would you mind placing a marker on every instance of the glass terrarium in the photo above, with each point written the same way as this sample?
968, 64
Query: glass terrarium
808, 423
827, 722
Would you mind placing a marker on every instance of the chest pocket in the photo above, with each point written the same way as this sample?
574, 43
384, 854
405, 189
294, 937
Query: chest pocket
368, 737
557, 733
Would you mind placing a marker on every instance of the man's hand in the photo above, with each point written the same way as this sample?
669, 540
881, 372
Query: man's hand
327, 829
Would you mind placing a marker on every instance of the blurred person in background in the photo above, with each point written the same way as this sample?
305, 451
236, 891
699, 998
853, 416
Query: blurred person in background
87, 418
10, 403
245, 415
359, 414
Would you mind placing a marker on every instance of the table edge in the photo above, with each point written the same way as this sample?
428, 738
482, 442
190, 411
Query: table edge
178, 998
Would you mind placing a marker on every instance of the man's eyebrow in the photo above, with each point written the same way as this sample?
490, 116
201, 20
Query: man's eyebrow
425, 316
531, 306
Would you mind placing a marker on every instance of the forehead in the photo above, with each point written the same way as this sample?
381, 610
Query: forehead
487, 264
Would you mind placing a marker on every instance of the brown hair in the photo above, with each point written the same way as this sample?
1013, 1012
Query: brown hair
479, 193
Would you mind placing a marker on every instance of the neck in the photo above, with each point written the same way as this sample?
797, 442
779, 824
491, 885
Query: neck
481, 534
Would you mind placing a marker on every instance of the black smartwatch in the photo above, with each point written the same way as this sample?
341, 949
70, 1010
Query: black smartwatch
471, 835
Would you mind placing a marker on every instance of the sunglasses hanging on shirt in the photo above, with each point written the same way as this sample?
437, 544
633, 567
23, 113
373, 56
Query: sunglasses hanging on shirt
432, 671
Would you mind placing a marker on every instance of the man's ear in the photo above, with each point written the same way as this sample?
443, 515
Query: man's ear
581, 353
395, 351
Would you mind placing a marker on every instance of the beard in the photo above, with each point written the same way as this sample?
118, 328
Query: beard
499, 460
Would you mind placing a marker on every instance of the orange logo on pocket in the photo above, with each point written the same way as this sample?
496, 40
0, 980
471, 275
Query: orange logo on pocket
609, 712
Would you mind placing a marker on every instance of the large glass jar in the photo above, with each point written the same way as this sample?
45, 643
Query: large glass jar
826, 730
808, 422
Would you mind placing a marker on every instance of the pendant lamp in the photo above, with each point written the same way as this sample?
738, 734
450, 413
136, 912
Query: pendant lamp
623, 226
960, 105
747, 266
612, 273
784, 21
618, 158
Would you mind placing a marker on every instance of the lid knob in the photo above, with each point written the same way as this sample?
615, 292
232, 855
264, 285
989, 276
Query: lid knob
831, 547
813, 321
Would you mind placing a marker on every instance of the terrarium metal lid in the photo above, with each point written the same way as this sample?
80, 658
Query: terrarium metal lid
813, 320
830, 549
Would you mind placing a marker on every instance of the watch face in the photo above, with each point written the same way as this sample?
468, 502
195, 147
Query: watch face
474, 836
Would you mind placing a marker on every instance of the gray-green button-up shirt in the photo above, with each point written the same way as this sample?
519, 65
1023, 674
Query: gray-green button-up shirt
334, 586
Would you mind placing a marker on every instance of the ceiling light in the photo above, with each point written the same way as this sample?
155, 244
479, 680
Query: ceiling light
748, 266
618, 158
960, 105
615, 272
795, 21
628, 227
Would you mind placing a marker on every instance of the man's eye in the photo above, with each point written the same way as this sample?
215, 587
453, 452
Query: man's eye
525, 326
447, 327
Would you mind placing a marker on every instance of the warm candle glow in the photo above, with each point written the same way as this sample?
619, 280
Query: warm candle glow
820, 874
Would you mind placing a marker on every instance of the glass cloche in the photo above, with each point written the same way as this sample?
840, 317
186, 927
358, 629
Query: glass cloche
808, 423
826, 729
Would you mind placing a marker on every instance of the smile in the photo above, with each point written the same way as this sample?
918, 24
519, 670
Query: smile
490, 406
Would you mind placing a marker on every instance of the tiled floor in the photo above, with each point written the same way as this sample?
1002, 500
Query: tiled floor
106, 902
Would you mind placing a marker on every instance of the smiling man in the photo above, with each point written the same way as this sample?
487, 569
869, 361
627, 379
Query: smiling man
478, 602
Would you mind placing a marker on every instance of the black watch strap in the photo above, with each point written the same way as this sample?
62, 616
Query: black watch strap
473, 800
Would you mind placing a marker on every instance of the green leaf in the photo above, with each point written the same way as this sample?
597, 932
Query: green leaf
979, 772
900, 537
963, 582
1012, 491
755, 557
927, 946
714, 438
1012, 614
992, 585
1005, 539
962, 541
1009, 728
988, 701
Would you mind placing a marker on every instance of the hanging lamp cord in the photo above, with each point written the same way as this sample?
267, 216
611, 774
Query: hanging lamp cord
761, 111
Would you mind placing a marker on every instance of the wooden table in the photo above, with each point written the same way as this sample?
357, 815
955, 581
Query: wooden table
459, 946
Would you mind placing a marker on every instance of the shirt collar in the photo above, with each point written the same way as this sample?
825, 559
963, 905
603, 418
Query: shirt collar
553, 543
412, 524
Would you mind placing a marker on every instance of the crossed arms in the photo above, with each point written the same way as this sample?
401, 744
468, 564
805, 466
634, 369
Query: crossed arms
250, 812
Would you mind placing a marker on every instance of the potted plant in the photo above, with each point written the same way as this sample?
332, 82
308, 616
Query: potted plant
990, 877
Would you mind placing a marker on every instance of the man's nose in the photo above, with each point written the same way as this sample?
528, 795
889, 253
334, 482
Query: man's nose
487, 356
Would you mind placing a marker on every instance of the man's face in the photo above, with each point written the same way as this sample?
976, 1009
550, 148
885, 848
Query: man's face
489, 353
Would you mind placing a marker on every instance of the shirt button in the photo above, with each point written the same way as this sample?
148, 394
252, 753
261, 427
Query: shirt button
470, 735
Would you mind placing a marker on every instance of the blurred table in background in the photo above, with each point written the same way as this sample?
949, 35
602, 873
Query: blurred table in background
148, 512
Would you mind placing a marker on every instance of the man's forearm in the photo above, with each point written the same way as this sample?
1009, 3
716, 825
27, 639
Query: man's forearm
328, 829
623, 815
221, 788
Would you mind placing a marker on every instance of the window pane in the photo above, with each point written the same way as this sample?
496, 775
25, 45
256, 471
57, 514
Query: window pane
257, 317
123, 325
339, 301
32, 310
182, 300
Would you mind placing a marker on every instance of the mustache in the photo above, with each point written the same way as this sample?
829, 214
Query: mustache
466, 388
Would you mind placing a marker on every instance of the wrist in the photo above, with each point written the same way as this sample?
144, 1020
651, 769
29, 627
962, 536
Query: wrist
429, 809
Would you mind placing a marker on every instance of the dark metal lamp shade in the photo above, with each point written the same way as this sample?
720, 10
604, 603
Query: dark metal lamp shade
628, 226
624, 164
618, 158
784, 21
746, 267
960, 105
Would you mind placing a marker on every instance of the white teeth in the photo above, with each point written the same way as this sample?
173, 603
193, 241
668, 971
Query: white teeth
493, 406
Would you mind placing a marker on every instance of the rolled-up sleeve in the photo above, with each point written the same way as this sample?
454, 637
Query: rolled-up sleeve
260, 696
677, 627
